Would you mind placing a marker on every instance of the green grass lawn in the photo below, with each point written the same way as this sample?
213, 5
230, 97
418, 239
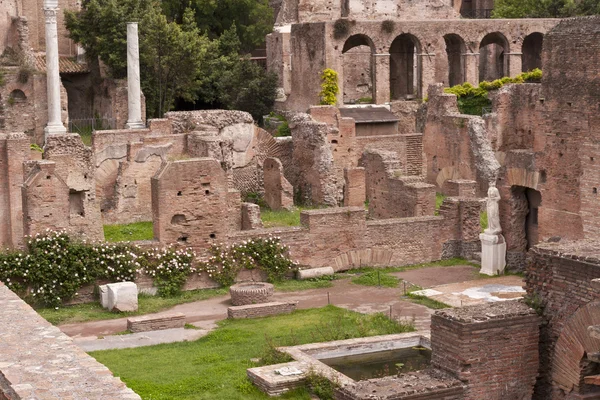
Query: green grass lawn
376, 278
214, 367
129, 232
147, 305
293, 285
280, 218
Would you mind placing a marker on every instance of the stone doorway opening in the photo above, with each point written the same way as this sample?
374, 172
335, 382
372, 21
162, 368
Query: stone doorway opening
357, 57
405, 68
525, 211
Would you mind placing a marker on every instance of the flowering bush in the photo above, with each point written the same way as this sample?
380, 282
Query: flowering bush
268, 255
54, 266
169, 267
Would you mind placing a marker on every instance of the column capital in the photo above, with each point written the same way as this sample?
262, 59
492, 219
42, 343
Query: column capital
381, 55
50, 15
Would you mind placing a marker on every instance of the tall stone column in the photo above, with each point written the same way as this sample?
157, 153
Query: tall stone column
134, 92
55, 125
381, 78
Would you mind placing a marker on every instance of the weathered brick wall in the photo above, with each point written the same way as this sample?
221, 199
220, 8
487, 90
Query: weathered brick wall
261, 310
279, 193
37, 360
392, 195
559, 278
492, 348
45, 200
354, 187
75, 166
153, 323
460, 188
314, 47
14, 150
191, 203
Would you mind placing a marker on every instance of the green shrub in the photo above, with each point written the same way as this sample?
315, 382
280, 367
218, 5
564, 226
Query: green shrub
329, 87
320, 386
471, 99
388, 26
341, 27
268, 255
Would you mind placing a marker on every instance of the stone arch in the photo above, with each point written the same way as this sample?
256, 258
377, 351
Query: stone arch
455, 48
532, 51
573, 345
493, 57
405, 68
360, 258
357, 61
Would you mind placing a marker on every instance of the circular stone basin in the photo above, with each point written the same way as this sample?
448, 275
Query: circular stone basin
250, 293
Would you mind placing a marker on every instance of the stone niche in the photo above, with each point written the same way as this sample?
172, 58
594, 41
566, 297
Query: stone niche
192, 204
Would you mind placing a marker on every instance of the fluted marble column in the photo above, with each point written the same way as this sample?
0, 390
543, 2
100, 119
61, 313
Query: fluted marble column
134, 92
55, 125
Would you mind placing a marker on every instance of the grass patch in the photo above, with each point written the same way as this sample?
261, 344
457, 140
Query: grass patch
214, 367
442, 263
282, 218
147, 305
129, 232
376, 278
439, 199
426, 301
293, 285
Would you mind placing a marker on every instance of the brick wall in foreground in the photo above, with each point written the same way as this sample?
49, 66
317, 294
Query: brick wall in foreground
38, 361
492, 348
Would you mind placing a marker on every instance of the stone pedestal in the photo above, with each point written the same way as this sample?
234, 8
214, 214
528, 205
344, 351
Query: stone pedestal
55, 125
122, 296
134, 91
493, 253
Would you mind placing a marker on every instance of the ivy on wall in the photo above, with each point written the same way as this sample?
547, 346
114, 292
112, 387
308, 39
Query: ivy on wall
329, 87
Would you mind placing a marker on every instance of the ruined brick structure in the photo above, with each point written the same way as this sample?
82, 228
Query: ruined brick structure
560, 281
401, 48
538, 144
491, 348
192, 204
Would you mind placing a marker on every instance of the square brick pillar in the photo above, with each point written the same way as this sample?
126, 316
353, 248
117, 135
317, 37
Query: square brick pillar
515, 64
381, 78
492, 348
471, 65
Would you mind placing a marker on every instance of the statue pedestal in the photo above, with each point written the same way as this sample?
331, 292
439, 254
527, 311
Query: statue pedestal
493, 254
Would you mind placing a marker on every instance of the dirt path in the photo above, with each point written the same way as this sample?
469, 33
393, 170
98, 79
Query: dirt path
204, 314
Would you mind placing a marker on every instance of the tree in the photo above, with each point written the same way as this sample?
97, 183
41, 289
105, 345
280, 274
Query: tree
253, 18
544, 8
171, 55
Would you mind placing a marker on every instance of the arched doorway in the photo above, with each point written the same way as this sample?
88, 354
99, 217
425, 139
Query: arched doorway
455, 48
532, 51
493, 62
358, 69
405, 68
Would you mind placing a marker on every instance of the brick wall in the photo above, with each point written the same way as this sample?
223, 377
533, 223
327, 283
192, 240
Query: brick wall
14, 150
29, 340
492, 348
261, 310
392, 195
559, 277
191, 203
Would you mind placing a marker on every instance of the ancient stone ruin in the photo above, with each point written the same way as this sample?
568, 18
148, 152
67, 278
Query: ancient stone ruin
394, 174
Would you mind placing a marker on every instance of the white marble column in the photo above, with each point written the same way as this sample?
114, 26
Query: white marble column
55, 125
134, 92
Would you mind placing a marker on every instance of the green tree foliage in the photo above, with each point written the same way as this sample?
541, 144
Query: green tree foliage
545, 8
171, 59
177, 60
253, 18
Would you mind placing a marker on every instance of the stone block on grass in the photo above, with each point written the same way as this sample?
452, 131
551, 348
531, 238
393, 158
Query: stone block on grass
122, 296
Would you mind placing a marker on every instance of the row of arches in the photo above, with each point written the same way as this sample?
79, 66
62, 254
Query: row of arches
405, 63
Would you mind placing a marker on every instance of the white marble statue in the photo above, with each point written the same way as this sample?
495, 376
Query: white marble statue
493, 211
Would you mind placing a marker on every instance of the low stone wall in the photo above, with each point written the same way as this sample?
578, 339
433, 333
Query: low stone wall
153, 323
492, 348
250, 293
38, 361
261, 310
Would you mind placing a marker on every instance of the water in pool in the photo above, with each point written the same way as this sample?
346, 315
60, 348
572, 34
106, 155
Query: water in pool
383, 363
